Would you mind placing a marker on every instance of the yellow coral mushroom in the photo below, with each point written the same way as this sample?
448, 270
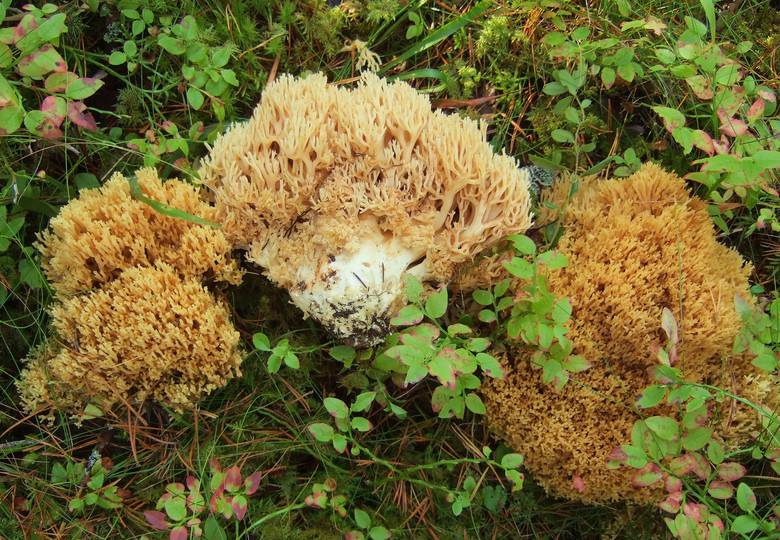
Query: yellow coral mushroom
132, 320
147, 335
337, 193
635, 247
95, 237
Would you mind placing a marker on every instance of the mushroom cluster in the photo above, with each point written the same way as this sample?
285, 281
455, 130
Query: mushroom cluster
635, 247
337, 193
132, 320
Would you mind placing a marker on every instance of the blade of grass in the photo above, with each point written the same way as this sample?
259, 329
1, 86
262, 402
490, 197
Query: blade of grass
442, 33
168, 210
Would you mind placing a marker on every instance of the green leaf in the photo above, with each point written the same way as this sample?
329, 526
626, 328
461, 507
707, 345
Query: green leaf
483, 298
220, 57
746, 499
362, 519
608, 77
474, 404
261, 342
82, 88
744, 524
511, 461
117, 58
363, 402
361, 424
76, 505
29, 273
321, 432
230, 77
436, 304
696, 438
490, 366
520, 268
339, 443
379, 533
650, 396
523, 244
52, 27
171, 44
562, 136
664, 427
553, 260
291, 361
412, 288
176, 508
195, 97
672, 118
575, 364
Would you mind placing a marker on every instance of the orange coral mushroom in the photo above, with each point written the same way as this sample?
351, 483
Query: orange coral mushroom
338, 193
635, 247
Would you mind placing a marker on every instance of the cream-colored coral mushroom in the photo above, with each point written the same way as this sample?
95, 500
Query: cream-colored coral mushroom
635, 247
337, 193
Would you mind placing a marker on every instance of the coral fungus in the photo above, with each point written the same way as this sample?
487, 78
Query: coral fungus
338, 193
635, 247
132, 320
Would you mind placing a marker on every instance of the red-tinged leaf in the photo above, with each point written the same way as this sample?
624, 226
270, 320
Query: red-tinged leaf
703, 141
179, 533
672, 484
579, 483
720, 490
354, 535
703, 467
731, 471
214, 466
721, 146
318, 500
39, 63
440, 367
239, 506
729, 125
58, 82
440, 398
193, 484
648, 475
77, 116
682, 465
408, 315
701, 87
233, 479
672, 502
54, 108
756, 110
156, 519
253, 482
672, 118
766, 94
330, 484
692, 511
41, 124
25, 26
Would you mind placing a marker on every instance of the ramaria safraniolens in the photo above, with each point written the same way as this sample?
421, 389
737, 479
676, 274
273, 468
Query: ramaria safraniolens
338, 193
635, 247
132, 320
